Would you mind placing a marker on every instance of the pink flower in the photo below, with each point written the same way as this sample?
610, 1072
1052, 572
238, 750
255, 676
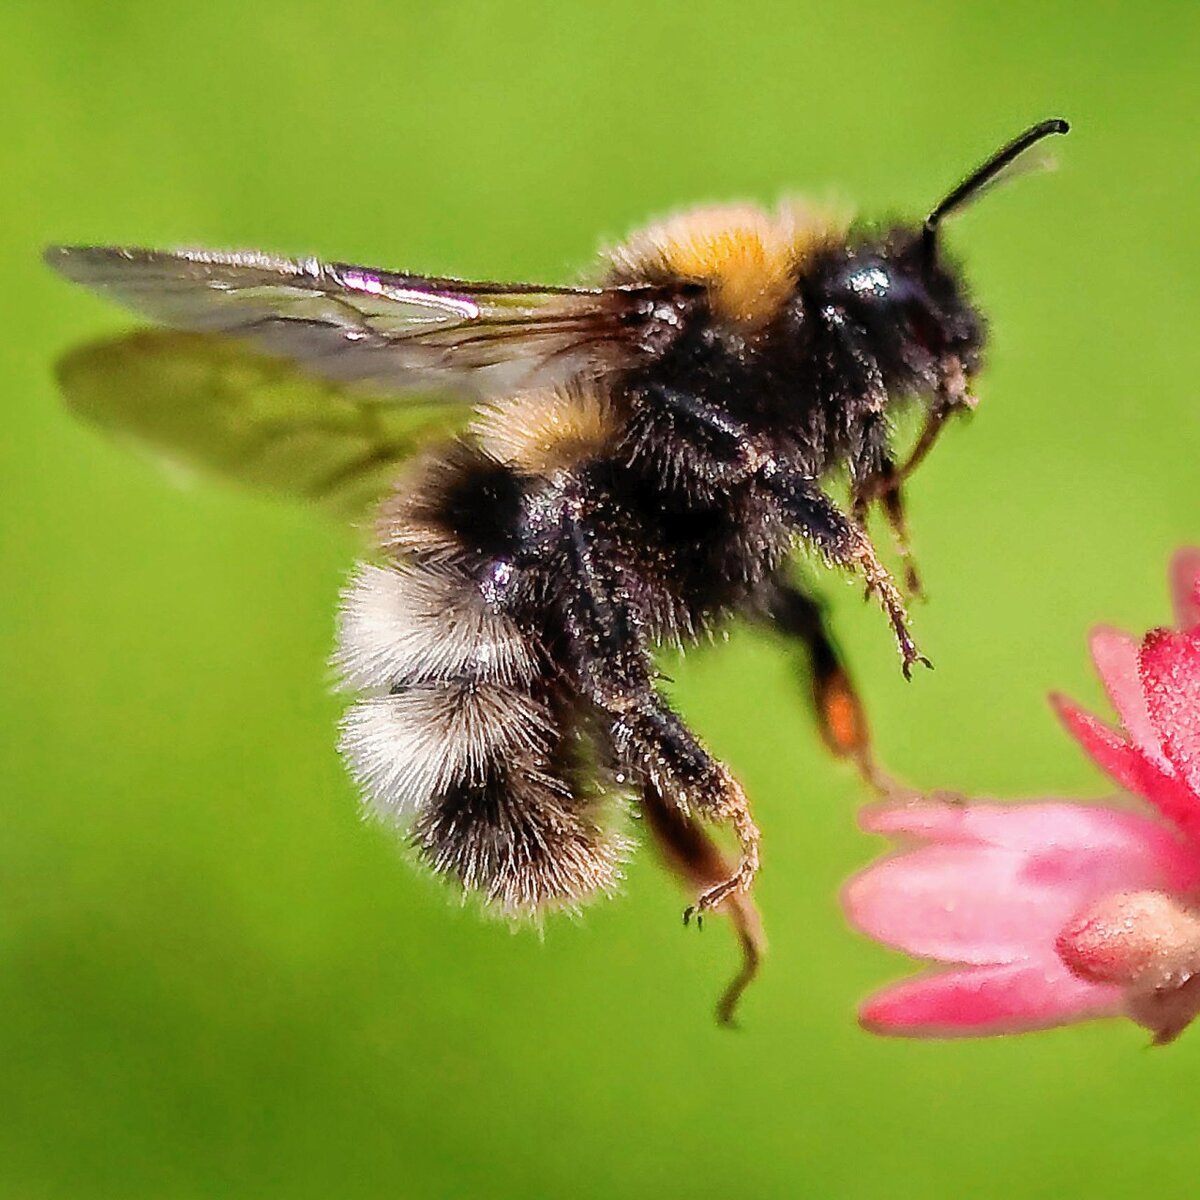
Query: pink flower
1052, 912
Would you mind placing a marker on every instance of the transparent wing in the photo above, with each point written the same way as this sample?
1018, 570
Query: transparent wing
203, 402
358, 324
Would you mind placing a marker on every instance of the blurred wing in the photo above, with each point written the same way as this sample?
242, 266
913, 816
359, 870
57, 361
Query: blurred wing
357, 324
198, 401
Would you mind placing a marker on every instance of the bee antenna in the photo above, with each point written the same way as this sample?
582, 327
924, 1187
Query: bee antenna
983, 175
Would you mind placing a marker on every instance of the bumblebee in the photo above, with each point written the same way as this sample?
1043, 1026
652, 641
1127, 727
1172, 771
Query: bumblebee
570, 478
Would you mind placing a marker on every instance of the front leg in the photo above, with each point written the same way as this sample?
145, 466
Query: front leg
610, 660
886, 488
845, 543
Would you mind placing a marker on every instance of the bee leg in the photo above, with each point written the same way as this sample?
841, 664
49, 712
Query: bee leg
815, 516
892, 501
732, 806
609, 657
698, 861
844, 542
886, 486
651, 737
839, 710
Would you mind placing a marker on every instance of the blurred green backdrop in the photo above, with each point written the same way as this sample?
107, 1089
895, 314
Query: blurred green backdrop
214, 980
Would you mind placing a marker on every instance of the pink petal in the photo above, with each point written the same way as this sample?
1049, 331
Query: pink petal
969, 904
1185, 586
1129, 767
984, 1001
1006, 899
1116, 657
1170, 666
1023, 826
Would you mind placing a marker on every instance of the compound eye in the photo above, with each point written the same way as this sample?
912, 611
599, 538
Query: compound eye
873, 284
874, 290
870, 281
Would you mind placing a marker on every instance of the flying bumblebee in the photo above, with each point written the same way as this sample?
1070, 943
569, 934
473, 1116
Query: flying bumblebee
570, 477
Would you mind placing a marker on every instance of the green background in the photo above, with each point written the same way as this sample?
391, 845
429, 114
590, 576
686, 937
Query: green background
214, 980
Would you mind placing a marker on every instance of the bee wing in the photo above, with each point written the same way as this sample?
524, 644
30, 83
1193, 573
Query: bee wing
359, 324
201, 401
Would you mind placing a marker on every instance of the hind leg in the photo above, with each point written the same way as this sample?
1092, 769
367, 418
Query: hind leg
697, 860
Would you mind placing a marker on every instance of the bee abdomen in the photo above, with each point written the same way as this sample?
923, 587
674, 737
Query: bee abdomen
524, 839
455, 740
417, 623
409, 748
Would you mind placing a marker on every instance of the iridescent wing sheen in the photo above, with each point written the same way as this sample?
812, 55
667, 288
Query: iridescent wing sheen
392, 332
200, 401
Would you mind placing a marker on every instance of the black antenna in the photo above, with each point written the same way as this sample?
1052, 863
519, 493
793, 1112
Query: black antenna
982, 176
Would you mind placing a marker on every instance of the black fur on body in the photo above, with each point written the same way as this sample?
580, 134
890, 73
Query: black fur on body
682, 514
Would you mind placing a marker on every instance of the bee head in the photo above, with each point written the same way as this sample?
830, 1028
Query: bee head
896, 300
908, 316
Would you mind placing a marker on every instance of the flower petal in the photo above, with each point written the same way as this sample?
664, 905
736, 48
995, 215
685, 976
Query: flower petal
1006, 899
984, 1001
1030, 826
966, 904
1129, 767
1185, 586
1170, 667
1116, 657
